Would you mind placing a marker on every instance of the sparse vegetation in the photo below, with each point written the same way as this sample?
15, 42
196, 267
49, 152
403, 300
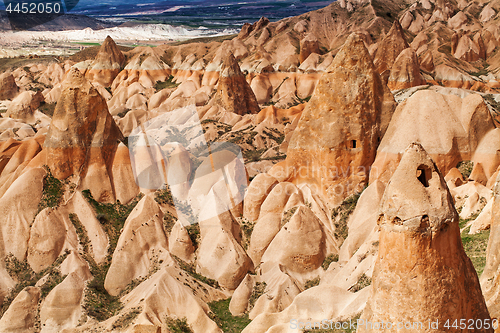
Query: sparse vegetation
52, 191
328, 260
258, 290
312, 283
341, 216
112, 216
194, 233
288, 215
123, 113
465, 168
251, 155
97, 302
475, 245
81, 232
164, 197
24, 275
47, 108
166, 84
190, 268
363, 281
178, 325
126, 319
247, 229
224, 319
168, 222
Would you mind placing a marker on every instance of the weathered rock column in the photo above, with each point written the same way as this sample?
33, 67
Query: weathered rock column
422, 274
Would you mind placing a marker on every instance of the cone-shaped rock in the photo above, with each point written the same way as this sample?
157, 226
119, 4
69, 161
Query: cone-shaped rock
405, 72
308, 45
422, 273
233, 91
390, 48
83, 136
8, 86
337, 135
107, 63
490, 280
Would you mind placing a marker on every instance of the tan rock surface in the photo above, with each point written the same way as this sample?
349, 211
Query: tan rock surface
46, 239
419, 118
220, 255
24, 105
269, 222
62, 307
430, 277
405, 72
142, 243
257, 192
308, 45
20, 316
18, 208
300, 244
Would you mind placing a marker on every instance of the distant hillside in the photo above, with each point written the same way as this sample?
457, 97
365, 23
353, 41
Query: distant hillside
64, 22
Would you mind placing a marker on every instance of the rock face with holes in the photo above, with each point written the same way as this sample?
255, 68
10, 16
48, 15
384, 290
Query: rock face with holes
83, 137
337, 136
429, 277
233, 92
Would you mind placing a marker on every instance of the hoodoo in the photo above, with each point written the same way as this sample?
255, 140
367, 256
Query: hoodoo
337, 136
83, 137
233, 91
422, 273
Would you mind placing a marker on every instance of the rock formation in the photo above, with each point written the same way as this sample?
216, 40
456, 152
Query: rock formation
335, 140
490, 279
83, 137
308, 45
420, 118
429, 277
107, 64
389, 49
405, 72
233, 92
8, 86
24, 106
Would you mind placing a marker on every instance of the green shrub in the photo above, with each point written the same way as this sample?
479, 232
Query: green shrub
83, 238
328, 260
178, 325
52, 191
465, 168
340, 216
363, 281
312, 283
166, 84
224, 319
164, 197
